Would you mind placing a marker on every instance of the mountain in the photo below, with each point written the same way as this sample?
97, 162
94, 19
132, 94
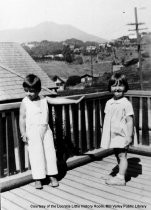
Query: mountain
47, 31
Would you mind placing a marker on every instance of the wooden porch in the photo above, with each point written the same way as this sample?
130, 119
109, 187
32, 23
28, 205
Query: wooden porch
84, 188
82, 163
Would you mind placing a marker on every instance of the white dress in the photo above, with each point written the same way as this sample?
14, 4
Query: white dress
115, 127
42, 154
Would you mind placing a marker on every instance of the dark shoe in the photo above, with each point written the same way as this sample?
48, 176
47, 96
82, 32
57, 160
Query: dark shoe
38, 184
116, 181
54, 182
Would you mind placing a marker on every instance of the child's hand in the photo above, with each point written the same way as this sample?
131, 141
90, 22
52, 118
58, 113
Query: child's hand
80, 99
24, 138
128, 140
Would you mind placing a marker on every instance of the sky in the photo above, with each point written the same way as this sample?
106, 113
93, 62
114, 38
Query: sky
107, 19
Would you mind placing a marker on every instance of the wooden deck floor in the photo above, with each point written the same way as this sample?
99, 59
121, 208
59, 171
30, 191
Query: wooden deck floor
84, 188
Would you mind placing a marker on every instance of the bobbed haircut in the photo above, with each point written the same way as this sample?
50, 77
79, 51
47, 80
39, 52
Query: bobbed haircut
32, 81
120, 79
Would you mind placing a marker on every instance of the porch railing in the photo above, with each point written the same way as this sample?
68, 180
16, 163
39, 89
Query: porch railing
76, 128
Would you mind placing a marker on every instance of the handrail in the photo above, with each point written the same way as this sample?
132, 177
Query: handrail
77, 128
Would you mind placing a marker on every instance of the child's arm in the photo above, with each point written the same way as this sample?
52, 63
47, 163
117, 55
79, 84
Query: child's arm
130, 128
22, 122
63, 100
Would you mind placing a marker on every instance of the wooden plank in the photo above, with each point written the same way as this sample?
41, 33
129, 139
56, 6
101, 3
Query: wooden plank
135, 163
145, 130
106, 170
95, 192
8, 205
84, 185
18, 200
128, 189
53, 196
72, 130
63, 122
32, 197
106, 189
16, 142
11, 168
136, 104
54, 122
101, 117
94, 125
131, 173
87, 126
149, 117
80, 191
140, 120
80, 128
1, 148
68, 196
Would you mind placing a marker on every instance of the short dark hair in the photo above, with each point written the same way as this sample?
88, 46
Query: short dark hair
32, 81
118, 78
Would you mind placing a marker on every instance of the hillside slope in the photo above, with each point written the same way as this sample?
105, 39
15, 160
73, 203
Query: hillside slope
63, 69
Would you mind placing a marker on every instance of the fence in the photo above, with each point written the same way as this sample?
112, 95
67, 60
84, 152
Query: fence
77, 128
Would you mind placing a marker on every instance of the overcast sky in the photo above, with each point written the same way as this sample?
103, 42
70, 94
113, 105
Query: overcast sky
104, 18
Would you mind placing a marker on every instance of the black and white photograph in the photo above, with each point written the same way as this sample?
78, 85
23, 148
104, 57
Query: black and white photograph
75, 104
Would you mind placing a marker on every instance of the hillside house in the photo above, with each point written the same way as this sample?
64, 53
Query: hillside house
59, 81
86, 78
91, 49
15, 64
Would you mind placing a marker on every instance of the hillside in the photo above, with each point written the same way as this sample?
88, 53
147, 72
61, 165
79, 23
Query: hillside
47, 31
65, 70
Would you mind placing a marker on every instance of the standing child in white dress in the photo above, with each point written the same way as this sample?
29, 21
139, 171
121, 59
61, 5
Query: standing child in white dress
35, 130
118, 126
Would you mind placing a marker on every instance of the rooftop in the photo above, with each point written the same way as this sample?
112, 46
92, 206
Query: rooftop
15, 64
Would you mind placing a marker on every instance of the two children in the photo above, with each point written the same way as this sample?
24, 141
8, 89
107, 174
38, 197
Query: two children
35, 130
118, 126
117, 130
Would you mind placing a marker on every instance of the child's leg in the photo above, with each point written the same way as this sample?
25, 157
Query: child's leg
50, 153
36, 153
51, 160
38, 184
119, 179
123, 164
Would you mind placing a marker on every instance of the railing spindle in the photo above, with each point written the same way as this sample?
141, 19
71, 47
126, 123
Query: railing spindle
87, 126
1, 148
72, 126
16, 142
79, 127
149, 117
63, 121
94, 125
140, 119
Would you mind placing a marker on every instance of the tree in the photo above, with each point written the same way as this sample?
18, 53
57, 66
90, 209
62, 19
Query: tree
68, 56
73, 80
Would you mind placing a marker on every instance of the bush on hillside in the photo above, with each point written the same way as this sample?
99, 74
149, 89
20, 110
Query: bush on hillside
78, 60
73, 80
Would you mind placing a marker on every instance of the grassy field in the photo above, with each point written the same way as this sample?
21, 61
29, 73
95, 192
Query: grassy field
63, 69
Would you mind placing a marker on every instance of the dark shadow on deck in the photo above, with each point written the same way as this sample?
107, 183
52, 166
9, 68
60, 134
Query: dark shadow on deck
134, 168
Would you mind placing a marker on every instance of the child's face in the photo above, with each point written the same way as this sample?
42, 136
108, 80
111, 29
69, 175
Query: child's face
118, 90
32, 94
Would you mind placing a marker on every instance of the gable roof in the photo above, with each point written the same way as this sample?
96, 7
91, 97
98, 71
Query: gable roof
15, 64
86, 75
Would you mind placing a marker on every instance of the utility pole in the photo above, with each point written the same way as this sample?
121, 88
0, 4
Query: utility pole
91, 64
136, 24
